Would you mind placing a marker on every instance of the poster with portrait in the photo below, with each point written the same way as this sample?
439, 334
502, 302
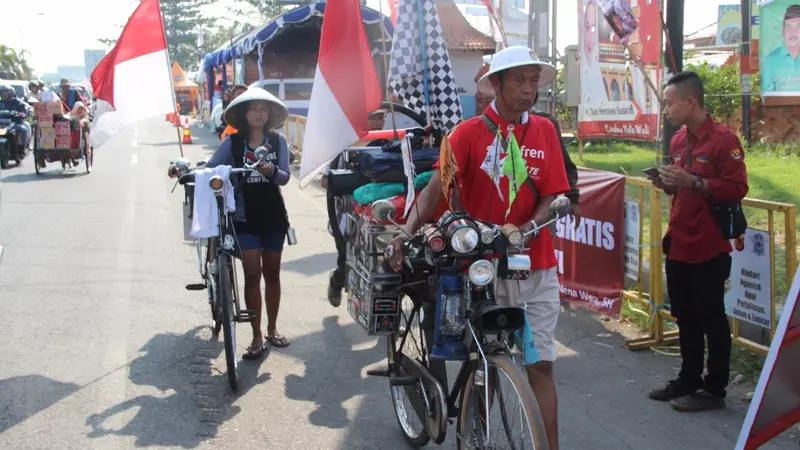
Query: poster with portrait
729, 23
619, 38
779, 48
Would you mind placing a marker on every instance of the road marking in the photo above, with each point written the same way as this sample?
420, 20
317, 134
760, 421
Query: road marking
134, 159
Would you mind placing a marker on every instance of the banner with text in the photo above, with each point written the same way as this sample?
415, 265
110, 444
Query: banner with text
591, 252
779, 46
632, 247
748, 292
617, 101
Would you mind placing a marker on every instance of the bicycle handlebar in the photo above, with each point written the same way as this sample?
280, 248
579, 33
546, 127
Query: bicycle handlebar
189, 177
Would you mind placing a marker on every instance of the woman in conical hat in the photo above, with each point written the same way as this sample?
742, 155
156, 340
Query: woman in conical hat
260, 220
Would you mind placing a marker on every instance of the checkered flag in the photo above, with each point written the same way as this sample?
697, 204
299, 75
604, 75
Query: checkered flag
407, 66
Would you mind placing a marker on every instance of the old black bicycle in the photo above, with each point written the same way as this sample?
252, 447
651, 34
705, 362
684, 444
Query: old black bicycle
218, 269
448, 312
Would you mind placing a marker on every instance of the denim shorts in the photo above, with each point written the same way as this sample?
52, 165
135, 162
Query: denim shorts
270, 241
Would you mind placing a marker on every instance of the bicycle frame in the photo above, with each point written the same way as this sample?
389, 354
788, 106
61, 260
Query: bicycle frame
467, 367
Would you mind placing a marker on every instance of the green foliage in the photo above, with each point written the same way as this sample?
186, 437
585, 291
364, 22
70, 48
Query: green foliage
13, 64
265, 9
564, 112
182, 22
723, 89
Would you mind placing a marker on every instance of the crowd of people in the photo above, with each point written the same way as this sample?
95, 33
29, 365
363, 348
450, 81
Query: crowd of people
707, 172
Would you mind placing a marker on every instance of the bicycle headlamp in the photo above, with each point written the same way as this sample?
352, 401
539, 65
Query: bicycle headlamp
216, 183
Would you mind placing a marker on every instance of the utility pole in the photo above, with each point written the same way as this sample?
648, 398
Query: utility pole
674, 62
745, 67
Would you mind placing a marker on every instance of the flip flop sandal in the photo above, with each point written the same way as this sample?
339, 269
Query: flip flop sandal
254, 352
278, 340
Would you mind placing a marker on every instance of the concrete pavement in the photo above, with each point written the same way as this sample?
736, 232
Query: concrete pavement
105, 349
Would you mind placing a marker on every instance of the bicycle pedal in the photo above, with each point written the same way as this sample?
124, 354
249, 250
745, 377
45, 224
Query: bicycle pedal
402, 380
246, 315
196, 287
379, 373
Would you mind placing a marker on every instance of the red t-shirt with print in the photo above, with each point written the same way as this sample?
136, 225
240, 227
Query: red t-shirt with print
539, 145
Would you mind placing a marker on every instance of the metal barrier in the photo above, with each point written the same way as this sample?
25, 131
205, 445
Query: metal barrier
654, 300
294, 129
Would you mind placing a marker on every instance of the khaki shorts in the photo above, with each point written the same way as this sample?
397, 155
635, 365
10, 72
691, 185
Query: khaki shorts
540, 296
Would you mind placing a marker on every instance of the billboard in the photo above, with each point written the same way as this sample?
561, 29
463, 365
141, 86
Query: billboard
779, 46
729, 24
591, 252
619, 51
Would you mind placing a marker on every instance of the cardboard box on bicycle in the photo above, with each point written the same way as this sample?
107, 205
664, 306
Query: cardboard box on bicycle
45, 120
47, 134
63, 142
47, 143
55, 107
62, 128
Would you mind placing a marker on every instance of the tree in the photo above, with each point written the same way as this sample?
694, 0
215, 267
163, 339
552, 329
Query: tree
183, 20
14, 64
266, 10
722, 88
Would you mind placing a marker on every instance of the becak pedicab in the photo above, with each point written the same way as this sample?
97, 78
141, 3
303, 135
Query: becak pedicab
67, 140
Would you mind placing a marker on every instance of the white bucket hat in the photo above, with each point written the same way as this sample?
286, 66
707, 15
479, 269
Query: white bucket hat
278, 113
518, 56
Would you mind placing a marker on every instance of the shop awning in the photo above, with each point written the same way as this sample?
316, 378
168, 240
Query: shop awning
249, 42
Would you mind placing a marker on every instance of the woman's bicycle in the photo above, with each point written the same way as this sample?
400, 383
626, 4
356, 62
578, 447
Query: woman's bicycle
448, 313
218, 268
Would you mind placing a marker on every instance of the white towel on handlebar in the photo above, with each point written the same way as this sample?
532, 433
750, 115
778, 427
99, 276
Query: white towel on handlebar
205, 219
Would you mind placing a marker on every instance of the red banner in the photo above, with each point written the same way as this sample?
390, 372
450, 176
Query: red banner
591, 253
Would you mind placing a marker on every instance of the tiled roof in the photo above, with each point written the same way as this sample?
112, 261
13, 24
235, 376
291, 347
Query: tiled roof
458, 33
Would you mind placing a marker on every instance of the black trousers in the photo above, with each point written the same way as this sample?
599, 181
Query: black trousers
697, 300
341, 246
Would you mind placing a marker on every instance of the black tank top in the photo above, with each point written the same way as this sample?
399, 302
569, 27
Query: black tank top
263, 202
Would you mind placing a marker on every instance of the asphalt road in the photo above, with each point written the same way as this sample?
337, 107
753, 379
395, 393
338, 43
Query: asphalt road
103, 347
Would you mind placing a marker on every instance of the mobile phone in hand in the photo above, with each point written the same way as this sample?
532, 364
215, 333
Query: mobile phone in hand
651, 172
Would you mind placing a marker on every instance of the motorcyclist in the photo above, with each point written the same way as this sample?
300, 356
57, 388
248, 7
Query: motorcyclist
36, 91
10, 102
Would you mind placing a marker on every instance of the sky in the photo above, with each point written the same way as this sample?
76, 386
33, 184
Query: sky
76, 29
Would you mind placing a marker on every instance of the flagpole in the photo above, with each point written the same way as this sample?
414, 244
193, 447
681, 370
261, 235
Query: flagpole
169, 71
386, 71
425, 68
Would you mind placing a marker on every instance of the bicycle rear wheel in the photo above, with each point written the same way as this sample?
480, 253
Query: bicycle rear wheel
510, 391
226, 297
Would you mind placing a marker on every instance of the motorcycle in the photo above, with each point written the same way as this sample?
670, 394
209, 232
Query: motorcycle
10, 148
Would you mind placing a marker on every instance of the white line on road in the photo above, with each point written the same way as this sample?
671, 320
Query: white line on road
135, 141
134, 159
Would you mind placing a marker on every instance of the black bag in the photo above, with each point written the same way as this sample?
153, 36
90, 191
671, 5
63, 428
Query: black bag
382, 166
729, 216
345, 181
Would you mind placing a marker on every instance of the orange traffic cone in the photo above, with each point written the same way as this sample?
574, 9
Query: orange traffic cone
187, 133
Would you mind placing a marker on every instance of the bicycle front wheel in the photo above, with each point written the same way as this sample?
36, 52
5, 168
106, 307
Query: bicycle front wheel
514, 419
226, 297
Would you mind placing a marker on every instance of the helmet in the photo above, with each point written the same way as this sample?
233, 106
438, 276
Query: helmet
518, 56
6, 90
278, 113
34, 83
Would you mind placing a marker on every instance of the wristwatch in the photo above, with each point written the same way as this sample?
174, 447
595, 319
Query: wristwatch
697, 183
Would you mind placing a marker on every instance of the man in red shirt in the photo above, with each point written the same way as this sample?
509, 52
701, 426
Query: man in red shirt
516, 74
707, 168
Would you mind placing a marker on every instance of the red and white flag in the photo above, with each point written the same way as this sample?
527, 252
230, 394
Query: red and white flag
133, 81
345, 91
